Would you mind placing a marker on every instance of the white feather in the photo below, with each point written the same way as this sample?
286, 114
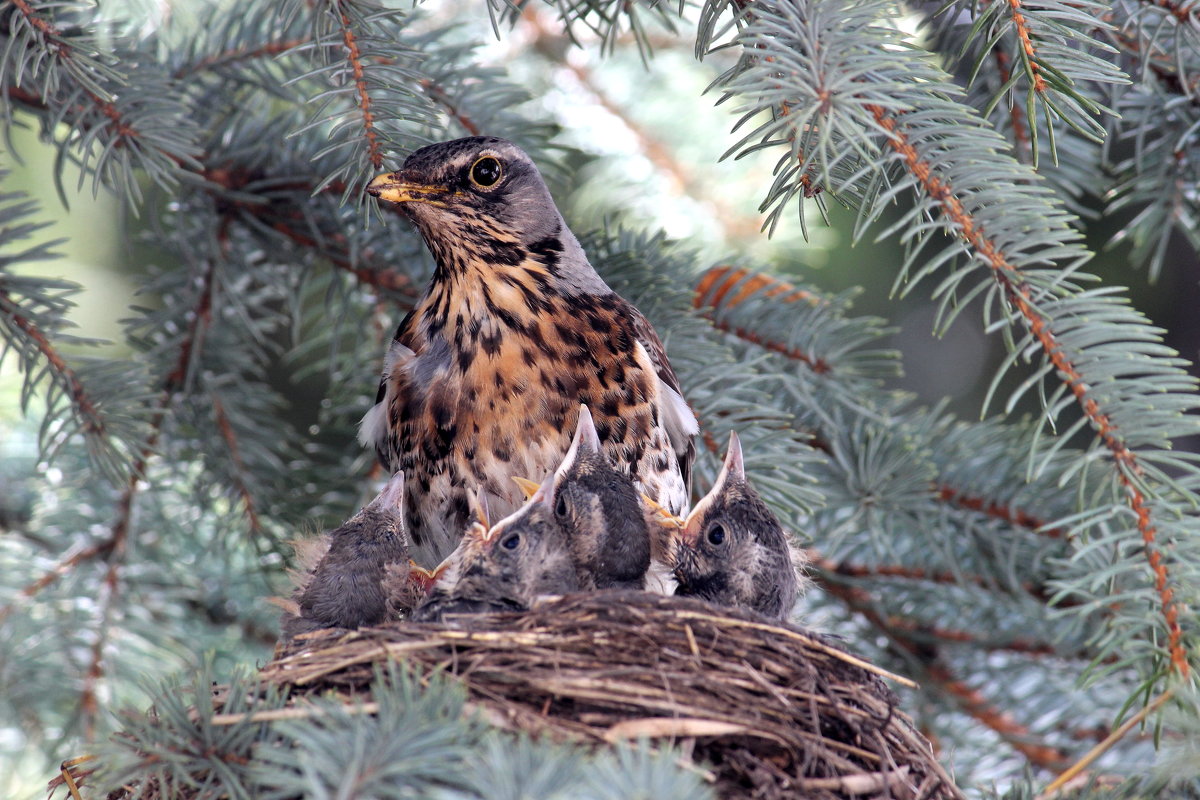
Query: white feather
677, 417
373, 428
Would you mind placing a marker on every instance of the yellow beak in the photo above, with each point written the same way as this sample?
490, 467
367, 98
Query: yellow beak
393, 188
527, 486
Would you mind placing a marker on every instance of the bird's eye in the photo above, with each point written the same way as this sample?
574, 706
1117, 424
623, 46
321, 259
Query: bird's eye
716, 534
560, 509
486, 172
511, 541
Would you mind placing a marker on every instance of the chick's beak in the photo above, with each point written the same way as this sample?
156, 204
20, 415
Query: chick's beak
528, 488
689, 532
396, 188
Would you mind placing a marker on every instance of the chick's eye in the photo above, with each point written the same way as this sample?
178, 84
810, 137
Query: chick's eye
560, 509
716, 534
511, 541
486, 172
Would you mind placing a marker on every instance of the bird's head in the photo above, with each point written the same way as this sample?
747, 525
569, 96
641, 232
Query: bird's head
478, 198
526, 553
732, 548
382, 519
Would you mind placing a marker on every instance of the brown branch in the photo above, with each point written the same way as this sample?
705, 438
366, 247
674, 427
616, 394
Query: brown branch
729, 277
439, 96
718, 281
1021, 141
1026, 40
364, 99
230, 437
971, 701
1020, 295
1018, 736
241, 54
65, 565
89, 705
386, 278
89, 413
991, 508
902, 572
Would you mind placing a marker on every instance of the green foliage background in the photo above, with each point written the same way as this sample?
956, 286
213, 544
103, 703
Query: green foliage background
149, 482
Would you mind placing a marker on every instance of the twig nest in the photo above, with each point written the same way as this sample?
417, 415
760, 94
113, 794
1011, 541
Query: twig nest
771, 710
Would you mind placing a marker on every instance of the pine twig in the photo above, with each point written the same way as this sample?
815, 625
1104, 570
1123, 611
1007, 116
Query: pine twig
1020, 295
364, 97
970, 700
1103, 747
1013, 516
235, 55
229, 436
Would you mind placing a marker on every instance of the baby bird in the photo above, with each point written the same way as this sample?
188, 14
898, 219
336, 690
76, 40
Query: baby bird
732, 551
599, 513
504, 568
345, 589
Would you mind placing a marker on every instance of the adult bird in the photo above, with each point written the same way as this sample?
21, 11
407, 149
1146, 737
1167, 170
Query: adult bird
732, 551
484, 377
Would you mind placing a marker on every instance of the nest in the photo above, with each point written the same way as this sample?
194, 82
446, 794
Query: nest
769, 711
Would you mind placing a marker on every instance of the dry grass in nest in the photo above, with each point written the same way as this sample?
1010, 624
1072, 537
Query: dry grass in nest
772, 711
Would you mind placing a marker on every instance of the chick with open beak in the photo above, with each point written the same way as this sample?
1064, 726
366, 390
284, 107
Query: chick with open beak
732, 551
502, 568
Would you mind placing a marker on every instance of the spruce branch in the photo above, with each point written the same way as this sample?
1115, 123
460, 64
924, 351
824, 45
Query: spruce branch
992, 508
229, 436
442, 98
970, 701
85, 408
1020, 293
846, 101
241, 53
374, 154
111, 130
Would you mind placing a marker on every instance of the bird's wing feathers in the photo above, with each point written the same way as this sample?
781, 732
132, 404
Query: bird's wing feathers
677, 415
373, 430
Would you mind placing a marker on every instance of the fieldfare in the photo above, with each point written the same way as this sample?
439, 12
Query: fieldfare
484, 377
346, 587
732, 551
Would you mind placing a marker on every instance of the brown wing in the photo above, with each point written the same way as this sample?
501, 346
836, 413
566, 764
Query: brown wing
677, 415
